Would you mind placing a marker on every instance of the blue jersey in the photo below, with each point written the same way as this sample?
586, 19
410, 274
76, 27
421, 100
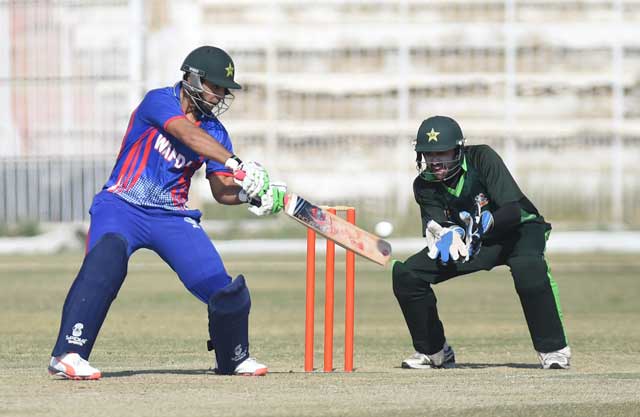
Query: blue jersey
153, 168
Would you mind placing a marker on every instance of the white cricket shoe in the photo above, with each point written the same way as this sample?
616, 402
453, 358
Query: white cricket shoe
558, 359
446, 358
72, 366
250, 367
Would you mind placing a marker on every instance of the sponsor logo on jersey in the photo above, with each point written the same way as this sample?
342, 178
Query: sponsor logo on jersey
481, 200
168, 152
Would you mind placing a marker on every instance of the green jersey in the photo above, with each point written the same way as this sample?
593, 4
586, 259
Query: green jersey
485, 182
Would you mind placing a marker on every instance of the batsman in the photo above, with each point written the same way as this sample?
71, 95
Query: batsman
172, 133
474, 217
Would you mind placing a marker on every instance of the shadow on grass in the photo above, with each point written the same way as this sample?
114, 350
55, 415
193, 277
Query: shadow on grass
122, 374
491, 365
497, 365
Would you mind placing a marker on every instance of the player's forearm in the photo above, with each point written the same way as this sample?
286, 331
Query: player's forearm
227, 196
198, 140
203, 144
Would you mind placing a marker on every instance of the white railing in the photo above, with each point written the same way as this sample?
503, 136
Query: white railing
334, 92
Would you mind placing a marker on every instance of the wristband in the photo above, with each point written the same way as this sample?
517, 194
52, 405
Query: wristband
233, 162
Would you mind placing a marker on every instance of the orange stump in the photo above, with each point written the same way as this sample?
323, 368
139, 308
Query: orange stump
349, 313
329, 305
310, 300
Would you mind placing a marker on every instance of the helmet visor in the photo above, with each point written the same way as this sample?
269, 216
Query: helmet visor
197, 91
439, 166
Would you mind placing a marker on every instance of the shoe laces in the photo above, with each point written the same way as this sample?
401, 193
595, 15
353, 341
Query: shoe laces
72, 359
559, 357
554, 357
417, 355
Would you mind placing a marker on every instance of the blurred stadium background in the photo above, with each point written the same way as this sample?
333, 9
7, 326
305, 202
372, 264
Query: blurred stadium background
333, 94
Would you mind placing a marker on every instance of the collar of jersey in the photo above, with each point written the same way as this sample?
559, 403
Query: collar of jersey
456, 191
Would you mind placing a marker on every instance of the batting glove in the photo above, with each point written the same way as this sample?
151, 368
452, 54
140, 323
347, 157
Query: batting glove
251, 176
270, 202
445, 243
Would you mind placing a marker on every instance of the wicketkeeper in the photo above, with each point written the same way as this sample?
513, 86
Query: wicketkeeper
474, 217
171, 134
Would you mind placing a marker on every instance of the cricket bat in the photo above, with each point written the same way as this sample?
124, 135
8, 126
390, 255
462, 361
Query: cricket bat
333, 227
337, 229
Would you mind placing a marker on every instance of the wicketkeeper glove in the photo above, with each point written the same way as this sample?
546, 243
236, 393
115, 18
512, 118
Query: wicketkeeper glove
270, 202
251, 176
445, 243
477, 226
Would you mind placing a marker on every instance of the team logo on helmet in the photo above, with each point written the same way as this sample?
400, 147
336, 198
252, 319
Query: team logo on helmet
433, 135
229, 70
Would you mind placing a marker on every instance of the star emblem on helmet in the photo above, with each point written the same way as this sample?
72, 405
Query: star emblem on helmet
433, 135
229, 70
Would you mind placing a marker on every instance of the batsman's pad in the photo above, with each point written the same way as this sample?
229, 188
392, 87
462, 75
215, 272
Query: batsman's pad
229, 325
94, 289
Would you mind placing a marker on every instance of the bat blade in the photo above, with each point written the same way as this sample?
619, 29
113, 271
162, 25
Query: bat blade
337, 229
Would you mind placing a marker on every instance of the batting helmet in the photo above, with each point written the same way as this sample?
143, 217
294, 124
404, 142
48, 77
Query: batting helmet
214, 65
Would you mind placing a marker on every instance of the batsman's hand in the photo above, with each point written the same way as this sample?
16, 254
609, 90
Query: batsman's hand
445, 243
251, 176
270, 202
476, 226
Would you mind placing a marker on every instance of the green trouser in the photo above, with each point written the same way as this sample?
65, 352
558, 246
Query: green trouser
522, 250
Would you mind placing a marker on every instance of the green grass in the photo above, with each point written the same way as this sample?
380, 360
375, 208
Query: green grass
152, 347
24, 228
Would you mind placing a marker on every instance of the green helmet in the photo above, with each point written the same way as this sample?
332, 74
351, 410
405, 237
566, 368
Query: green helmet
439, 134
214, 65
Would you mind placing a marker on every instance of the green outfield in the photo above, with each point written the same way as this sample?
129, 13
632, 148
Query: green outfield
154, 361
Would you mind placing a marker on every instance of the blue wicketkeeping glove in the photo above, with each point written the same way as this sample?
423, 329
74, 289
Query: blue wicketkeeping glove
477, 226
445, 243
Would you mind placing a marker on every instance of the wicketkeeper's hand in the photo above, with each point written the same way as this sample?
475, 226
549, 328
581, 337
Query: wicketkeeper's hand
477, 226
251, 176
445, 242
270, 202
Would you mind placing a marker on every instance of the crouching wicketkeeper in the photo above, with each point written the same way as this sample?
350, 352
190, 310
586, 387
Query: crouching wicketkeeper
474, 218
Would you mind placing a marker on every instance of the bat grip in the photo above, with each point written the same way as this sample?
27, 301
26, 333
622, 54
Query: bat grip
240, 175
257, 202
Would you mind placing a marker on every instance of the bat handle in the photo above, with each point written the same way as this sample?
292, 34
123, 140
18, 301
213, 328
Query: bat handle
257, 202
240, 175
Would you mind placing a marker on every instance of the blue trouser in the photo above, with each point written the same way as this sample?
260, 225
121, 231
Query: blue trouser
118, 226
